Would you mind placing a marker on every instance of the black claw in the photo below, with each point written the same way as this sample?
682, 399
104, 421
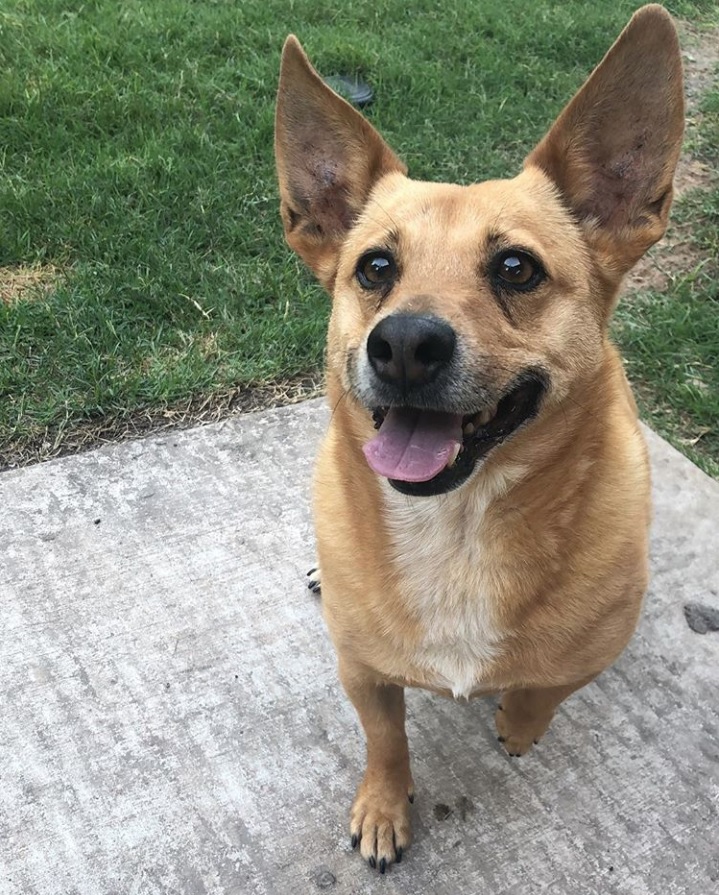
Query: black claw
382, 865
312, 571
514, 754
535, 742
502, 739
398, 858
372, 861
354, 840
501, 708
411, 798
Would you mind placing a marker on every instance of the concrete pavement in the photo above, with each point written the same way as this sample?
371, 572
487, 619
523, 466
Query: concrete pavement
171, 720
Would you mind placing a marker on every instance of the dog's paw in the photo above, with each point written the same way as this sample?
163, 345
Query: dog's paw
517, 733
380, 823
314, 581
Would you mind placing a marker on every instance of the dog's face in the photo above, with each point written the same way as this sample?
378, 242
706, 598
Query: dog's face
469, 307
461, 313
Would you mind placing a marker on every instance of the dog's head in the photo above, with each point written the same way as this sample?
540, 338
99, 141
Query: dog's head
460, 313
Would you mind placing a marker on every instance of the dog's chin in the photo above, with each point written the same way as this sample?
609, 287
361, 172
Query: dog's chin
482, 431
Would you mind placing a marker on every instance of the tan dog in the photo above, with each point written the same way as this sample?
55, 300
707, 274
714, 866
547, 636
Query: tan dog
491, 537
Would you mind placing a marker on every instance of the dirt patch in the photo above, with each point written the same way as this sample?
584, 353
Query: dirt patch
22, 283
72, 437
674, 255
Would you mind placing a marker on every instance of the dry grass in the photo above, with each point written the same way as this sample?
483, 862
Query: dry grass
26, 283
71, 437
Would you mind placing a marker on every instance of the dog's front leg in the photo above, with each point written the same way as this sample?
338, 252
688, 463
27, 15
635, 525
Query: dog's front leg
380, 820
524, 715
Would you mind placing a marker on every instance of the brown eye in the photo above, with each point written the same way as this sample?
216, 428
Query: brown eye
376, 270
516, 270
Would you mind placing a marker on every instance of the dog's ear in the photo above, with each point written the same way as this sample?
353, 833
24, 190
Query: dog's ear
328, 159
613, 150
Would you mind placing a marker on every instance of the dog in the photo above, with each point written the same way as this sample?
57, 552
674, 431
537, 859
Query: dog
482, 496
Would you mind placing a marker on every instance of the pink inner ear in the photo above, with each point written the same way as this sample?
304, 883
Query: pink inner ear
622, 184
616, 185
320, 195
331, 208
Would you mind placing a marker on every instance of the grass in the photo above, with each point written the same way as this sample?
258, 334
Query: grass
136, 164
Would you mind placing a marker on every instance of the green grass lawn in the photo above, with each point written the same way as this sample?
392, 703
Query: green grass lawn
136, 159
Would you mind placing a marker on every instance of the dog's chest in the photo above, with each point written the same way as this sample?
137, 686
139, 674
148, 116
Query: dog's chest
446, 582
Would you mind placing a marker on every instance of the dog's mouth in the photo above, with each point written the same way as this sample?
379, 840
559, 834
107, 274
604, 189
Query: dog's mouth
427, 452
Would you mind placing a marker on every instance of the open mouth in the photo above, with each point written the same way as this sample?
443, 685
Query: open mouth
428, 452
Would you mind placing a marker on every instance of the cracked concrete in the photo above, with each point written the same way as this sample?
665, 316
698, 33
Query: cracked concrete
172, 722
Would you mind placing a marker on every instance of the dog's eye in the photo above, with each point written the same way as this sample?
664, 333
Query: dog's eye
516, 270
376, 270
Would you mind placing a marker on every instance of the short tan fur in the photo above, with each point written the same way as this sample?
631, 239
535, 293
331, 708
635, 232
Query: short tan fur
526, 578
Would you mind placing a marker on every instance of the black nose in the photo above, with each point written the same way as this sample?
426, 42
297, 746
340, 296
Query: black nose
410, 350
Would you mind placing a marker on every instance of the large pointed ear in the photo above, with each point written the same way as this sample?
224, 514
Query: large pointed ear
328, 159
613, 150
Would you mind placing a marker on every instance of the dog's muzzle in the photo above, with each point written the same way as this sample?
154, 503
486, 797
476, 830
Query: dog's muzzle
426, 445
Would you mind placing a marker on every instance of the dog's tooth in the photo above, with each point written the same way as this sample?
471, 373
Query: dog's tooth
493, 412
469, 429
484, 417
453, 456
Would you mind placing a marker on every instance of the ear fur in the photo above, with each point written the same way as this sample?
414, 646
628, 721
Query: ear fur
328, 159
613, 150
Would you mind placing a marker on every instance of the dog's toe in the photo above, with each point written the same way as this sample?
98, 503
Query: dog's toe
380, 825
314, 581
517, 733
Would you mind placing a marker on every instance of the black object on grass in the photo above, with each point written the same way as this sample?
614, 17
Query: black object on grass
352, 89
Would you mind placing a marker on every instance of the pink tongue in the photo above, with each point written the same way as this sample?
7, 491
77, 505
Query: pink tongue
413, 445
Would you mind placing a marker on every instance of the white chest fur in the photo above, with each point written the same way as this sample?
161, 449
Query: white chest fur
440, 550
